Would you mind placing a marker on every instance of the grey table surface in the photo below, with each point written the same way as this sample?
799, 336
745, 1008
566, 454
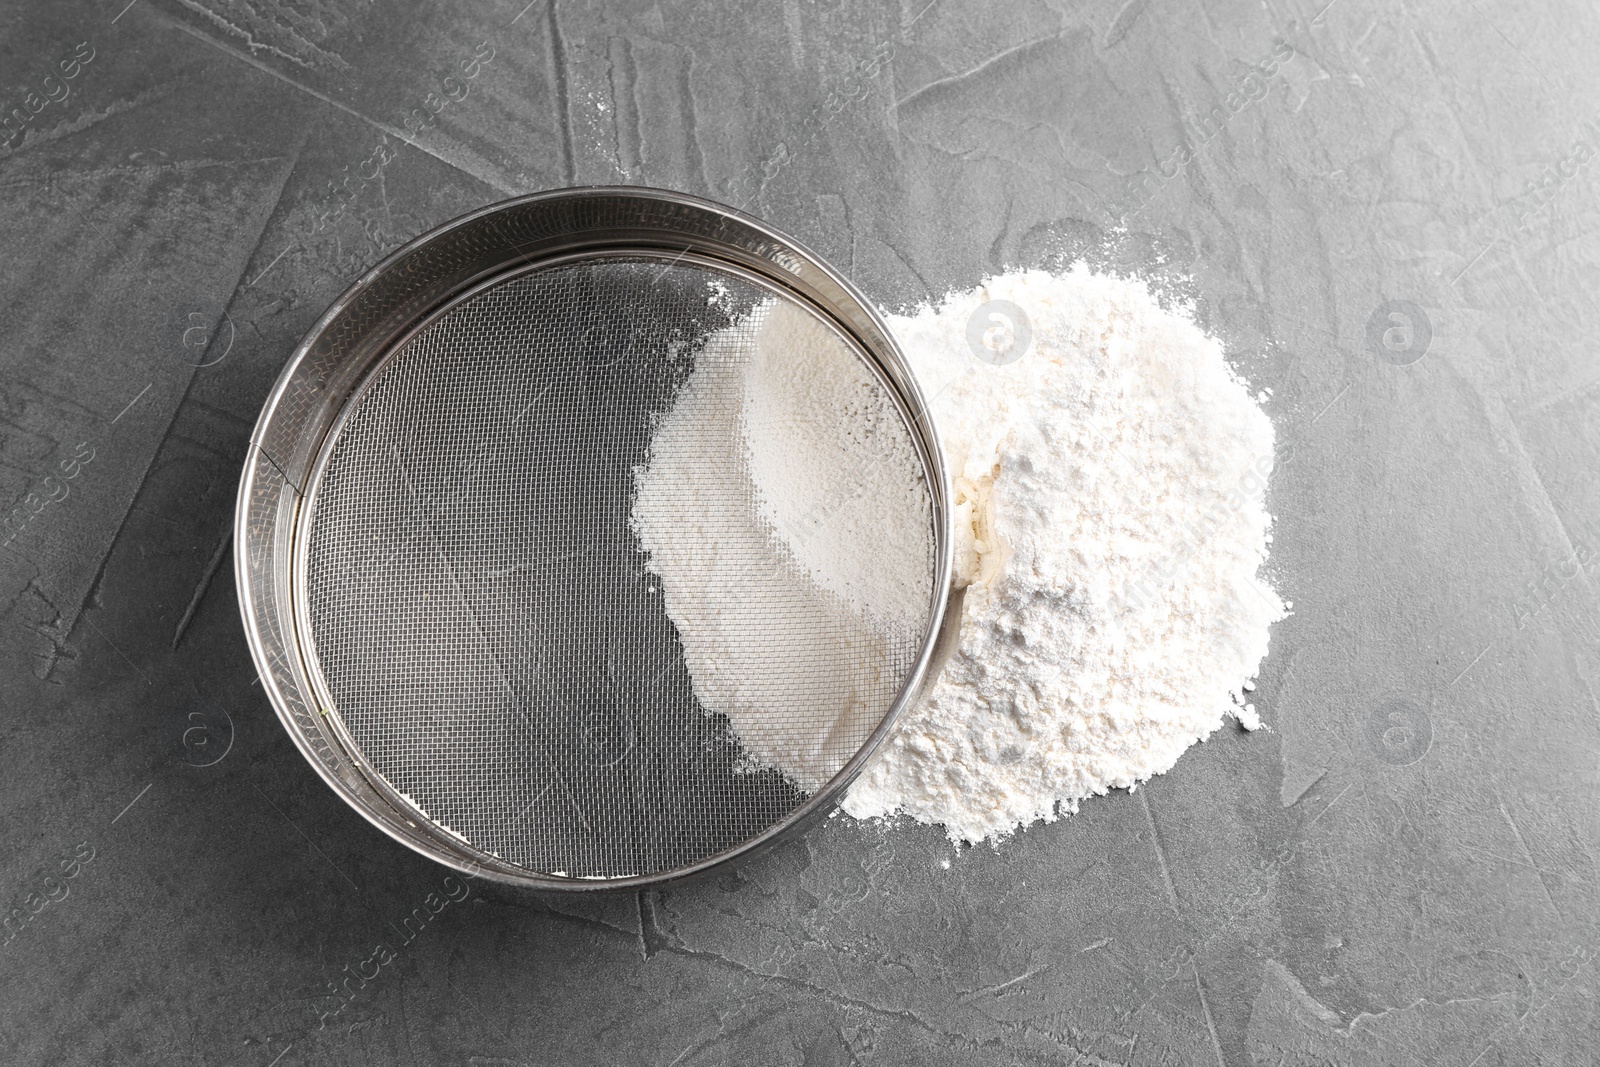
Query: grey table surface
1395, 232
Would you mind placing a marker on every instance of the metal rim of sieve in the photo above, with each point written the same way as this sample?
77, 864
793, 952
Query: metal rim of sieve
412, 288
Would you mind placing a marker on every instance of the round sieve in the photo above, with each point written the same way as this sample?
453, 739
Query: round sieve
523, 605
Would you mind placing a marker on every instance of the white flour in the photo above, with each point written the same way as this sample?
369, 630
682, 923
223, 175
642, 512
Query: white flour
810, 619
1108, 517
1111, 481
831, 460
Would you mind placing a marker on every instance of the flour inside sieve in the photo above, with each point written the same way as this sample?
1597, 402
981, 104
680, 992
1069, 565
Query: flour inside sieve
783, 449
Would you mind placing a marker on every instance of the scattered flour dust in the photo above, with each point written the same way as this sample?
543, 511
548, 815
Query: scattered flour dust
1110, 520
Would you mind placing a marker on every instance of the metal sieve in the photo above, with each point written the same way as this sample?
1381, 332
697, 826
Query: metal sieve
444, 590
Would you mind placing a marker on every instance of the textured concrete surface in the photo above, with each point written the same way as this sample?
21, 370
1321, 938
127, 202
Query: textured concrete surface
1401, 870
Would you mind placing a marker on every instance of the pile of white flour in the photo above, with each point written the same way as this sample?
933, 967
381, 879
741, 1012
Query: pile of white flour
1110, 486
1109, 527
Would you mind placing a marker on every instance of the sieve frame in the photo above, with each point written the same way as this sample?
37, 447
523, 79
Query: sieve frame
346, 349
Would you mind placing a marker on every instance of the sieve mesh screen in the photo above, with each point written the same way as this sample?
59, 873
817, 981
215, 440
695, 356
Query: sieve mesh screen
482, 616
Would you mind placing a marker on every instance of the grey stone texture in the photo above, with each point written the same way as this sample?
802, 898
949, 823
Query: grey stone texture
1401, 869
